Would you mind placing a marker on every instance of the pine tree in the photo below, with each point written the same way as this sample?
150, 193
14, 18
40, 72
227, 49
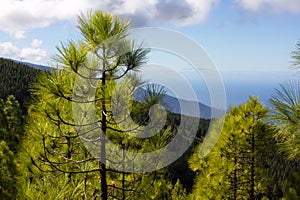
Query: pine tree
91, 70
8, 171
285, 116
11, 122
234, 169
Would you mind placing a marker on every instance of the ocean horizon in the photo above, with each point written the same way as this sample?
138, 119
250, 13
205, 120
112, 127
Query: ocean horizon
239, 85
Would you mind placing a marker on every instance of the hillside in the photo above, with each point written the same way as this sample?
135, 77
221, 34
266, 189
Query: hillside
15, 79
183, 107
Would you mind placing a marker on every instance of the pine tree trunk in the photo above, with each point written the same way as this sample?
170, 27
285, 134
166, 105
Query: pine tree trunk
104, 192
235, 180
103, 182
252, 196
123, 177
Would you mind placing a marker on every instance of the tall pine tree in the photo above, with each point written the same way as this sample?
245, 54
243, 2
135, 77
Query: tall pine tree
235, 167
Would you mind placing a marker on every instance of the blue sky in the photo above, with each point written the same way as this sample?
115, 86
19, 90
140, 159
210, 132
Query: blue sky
237, 34
248, 40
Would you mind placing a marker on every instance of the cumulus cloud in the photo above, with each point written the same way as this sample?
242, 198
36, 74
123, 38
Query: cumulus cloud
36, 54
176, 12
8, 49
36, 43
18, 16
277, 6
32, 53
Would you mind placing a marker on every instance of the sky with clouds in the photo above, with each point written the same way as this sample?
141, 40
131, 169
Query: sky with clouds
237, 34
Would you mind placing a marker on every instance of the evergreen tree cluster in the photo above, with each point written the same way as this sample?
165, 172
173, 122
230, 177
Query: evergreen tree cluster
16, 79
11, 133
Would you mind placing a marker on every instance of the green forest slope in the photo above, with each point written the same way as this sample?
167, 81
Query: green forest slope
16, 79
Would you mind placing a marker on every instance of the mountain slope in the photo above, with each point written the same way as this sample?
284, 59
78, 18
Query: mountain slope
15, 79
183, 107
35, 66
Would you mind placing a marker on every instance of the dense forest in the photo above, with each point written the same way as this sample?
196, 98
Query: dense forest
16, 79
53, 151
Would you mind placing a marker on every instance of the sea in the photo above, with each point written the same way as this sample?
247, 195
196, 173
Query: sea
237, 85
240, 85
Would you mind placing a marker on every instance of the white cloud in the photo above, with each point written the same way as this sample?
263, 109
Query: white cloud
277, 6
200, 10
19, 16
177, 12
36, 43
8, 49
36, 54
33, 53
19, 34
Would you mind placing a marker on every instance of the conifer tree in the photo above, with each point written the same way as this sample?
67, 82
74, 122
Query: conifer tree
8, 171
285, 116
11, 122
235, 167
91, 70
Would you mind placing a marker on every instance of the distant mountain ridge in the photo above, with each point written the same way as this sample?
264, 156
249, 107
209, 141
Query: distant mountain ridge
35, 66
183, 107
